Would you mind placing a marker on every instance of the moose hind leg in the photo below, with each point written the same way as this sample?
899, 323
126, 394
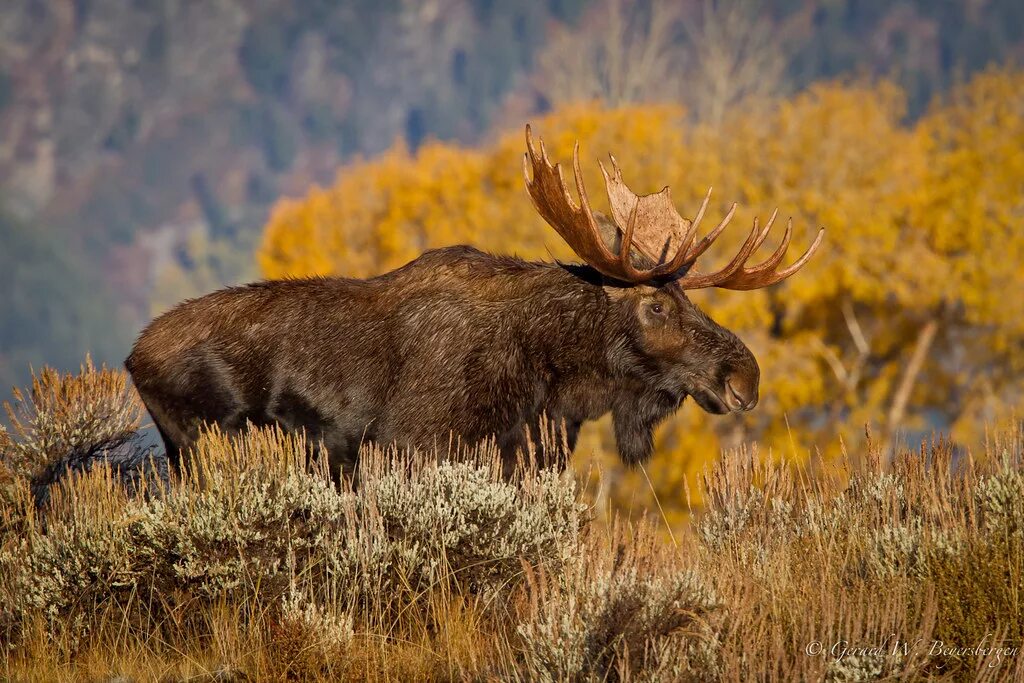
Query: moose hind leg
178, 429
180, 408
171, 448
297, 413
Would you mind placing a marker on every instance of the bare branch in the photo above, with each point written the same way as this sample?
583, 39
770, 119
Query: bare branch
856, 331
834, 361
902, 395
617, 55
733, 57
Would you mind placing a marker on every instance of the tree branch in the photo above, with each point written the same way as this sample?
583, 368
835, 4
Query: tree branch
900, 399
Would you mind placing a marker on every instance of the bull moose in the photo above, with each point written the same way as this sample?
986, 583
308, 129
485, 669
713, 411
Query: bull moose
460, 343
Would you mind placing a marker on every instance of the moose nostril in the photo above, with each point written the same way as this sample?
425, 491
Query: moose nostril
736, 399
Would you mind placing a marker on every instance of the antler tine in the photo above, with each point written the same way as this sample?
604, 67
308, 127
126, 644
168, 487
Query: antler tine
709, 238
530, 160
615, 166
800, 262
626, 247
624, 263
694, 280
530, 152
700, 212
768, 227
779, 253
627, 237
735, 276
578, 175
750, 279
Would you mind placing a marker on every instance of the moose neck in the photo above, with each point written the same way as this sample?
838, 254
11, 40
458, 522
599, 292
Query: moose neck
588, 343
598, 363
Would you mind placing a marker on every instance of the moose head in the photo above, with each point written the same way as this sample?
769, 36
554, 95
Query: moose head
646, 253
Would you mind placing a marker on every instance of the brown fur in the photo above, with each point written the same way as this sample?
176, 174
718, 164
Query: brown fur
457, 343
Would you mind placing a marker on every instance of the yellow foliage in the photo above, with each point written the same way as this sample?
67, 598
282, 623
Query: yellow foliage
924, 228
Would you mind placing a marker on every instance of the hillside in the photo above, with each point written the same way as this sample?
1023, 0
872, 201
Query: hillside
253, 565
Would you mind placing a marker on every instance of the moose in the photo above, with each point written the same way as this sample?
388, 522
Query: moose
463, 344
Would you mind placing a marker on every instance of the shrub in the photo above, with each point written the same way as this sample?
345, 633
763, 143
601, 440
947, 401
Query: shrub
309, 638
620, 613
67, 422
60, 575
463, 518
70, 413
251, 512
978, 591
1000, 500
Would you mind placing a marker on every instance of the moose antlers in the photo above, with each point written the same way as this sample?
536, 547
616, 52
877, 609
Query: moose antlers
652, 225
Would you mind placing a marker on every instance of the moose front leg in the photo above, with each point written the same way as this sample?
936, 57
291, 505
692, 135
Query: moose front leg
543, 442
554, 440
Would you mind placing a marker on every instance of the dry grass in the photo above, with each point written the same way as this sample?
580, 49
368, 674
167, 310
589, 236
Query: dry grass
253, 565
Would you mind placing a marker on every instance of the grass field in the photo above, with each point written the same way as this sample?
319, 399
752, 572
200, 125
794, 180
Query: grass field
253, 565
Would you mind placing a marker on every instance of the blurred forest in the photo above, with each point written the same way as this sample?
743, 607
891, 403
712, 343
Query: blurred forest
143, 146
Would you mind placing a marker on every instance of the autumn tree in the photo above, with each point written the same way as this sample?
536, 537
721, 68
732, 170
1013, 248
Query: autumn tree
904, 321
973, 212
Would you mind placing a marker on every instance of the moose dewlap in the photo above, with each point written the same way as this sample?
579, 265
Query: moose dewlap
467, 345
